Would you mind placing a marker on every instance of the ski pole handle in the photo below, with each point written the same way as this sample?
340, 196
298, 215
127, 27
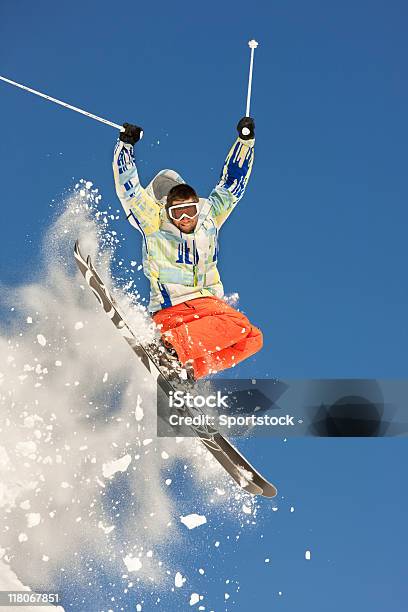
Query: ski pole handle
252, 44
65, 104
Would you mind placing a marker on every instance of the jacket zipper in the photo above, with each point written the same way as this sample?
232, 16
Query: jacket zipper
195, 275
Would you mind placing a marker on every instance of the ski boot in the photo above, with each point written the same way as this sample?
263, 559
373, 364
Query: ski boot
168, 362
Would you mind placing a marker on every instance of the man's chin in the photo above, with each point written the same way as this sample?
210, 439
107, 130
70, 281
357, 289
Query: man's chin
188, 229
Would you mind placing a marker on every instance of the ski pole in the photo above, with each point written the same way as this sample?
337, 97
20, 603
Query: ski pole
74, 108
252, 44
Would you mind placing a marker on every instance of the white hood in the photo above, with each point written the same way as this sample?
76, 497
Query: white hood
160, 185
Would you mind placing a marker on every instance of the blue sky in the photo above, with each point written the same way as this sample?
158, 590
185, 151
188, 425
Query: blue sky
317, 249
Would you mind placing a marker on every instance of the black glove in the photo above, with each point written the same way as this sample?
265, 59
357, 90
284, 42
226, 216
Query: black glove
246, 128
132, 134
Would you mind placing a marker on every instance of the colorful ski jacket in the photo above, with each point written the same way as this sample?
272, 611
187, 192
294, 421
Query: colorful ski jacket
180, 266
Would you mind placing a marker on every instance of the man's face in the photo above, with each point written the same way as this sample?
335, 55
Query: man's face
186, 225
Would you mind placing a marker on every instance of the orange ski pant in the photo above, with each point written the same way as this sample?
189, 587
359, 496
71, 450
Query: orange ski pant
209, 332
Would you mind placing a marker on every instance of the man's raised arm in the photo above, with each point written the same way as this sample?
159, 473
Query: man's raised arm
141, 210
235, 173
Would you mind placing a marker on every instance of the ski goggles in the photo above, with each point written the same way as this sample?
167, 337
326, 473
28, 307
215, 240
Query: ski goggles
188, 210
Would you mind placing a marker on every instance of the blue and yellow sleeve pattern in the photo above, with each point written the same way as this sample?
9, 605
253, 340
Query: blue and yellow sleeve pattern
141, 210
233, 181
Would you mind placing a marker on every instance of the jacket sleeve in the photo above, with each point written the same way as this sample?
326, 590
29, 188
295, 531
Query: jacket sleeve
233, 180
141, 210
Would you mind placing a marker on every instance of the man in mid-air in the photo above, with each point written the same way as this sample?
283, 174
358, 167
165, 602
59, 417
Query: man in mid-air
200, 332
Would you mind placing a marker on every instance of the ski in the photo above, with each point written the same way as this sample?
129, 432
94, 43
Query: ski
242, 472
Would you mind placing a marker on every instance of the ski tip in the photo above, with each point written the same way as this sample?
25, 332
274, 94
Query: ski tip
269, 491
79, 258
77, 251
92, 269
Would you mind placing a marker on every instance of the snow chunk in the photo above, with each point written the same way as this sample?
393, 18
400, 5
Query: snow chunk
22, 537
105, 529
26, 449
133, 564
118, 465
33, 519
58, 363
164, 455
179, 580
245, 476
232, 299
88, 184
41, 340
168, 481
193, 520
78, 325
194, 598
308, 555
246, 509
29, 320
31, 419
105, 377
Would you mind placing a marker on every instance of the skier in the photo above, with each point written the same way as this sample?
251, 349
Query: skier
199, 330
